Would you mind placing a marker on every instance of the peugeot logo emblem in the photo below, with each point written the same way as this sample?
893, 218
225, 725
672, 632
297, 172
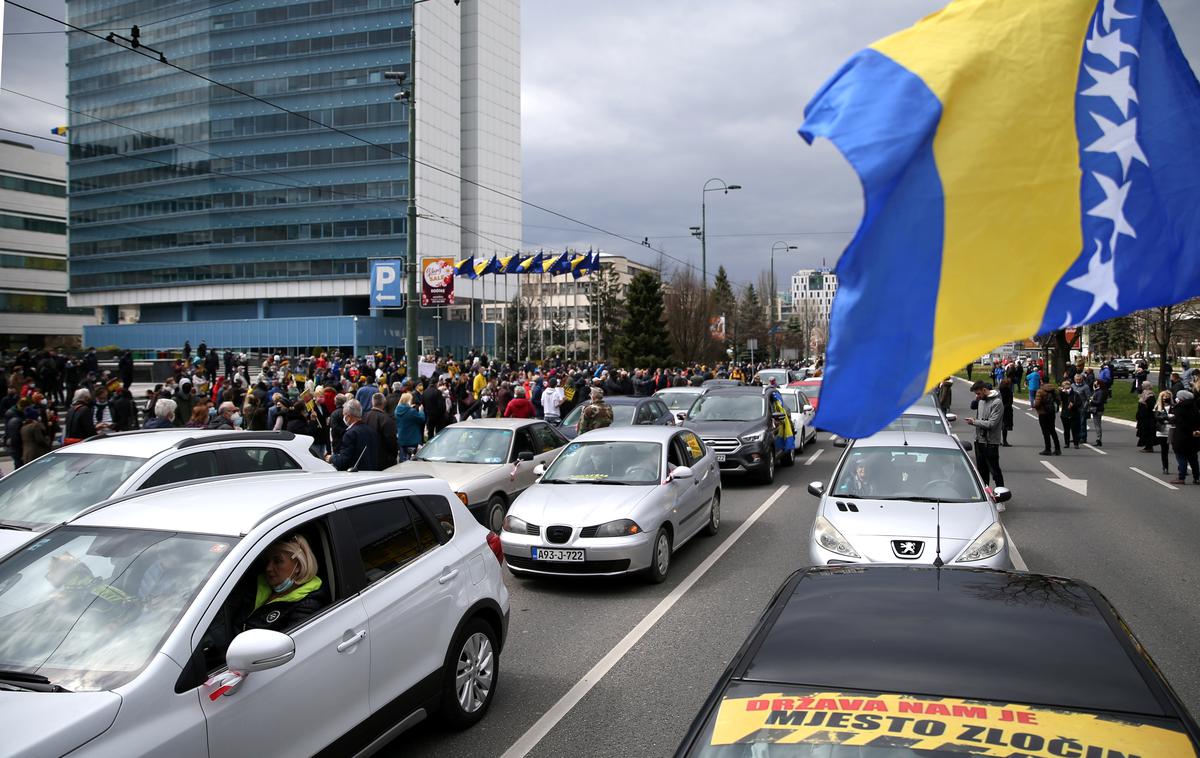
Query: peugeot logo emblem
908, 548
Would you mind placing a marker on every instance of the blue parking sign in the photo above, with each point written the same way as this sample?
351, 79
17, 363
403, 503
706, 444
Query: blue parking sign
387, 283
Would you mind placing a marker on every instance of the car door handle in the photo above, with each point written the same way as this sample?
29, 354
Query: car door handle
447, 576
346, 644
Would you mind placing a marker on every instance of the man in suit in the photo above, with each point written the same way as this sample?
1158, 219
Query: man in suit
359, 448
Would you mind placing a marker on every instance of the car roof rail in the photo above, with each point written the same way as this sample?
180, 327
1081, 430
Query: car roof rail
127, 433
235, 437
175, 485
341, 487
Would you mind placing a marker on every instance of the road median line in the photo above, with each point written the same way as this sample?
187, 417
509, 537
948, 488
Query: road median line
530, 739
1153, 478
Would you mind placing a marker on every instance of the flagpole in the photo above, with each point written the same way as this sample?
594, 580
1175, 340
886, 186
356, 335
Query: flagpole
518, 317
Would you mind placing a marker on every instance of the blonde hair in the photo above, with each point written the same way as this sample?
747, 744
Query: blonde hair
1164, 400
296, 547
406, 398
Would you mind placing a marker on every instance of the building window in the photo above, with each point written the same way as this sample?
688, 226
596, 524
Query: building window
27, 224
8, 260
30, 185
14, 302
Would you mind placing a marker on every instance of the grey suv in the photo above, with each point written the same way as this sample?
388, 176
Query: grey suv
739, 427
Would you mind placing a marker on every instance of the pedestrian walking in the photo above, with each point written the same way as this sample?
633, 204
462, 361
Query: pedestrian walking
1006, 398
988, 423
1164, 408
1186, 422
1096, 408
1046, 405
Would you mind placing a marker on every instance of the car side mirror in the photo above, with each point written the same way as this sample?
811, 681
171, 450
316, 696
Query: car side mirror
808, 409
681, 472
952, 417
967, 446
816, 489
839, 442
524, 455
259, 650
1002, 494
539, 469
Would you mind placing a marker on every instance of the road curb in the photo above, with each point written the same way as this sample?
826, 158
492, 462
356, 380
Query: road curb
1026, 403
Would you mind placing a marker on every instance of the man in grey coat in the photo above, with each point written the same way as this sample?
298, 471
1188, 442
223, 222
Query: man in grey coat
989, 425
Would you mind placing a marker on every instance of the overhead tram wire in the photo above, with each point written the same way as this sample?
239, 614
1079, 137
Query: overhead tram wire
142, 26
190, 146
351, 135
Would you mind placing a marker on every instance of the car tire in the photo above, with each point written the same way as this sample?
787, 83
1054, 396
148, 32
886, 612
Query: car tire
800, 440
767, 475
660, 557
495, 509
475, 654
789, 458
714, 516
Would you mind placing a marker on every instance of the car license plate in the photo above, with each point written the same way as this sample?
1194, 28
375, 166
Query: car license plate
720, 458
557, 554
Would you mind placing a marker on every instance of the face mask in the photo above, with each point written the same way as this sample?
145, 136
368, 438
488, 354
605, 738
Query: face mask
237, 419
285, 585
212, 412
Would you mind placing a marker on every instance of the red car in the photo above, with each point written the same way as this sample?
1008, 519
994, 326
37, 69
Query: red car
812, 388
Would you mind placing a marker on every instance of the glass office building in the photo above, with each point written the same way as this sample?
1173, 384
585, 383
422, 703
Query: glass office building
197, 212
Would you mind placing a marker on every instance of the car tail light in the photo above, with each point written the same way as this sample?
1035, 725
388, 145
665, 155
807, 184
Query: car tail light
493, 541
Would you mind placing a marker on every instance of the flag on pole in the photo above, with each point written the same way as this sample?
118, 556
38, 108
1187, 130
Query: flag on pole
594, 263
532, 264
579, 264
1026, 166
465, 267
559, 265
511, 264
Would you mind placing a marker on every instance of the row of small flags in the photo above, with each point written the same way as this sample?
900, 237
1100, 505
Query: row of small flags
575, 264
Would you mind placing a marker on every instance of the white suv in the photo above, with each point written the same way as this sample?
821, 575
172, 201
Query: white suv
56, 486
127, 613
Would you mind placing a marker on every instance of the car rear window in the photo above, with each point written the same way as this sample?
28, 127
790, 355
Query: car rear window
759, 720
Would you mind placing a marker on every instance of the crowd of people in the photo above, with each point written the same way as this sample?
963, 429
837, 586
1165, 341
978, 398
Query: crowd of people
363, 412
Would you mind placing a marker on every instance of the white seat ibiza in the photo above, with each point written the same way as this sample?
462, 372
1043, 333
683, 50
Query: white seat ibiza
157, 623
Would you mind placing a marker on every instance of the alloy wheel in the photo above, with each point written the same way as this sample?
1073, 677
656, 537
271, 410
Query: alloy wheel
475, 671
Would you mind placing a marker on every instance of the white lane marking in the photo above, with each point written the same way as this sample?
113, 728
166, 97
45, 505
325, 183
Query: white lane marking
1078, 486
1094, 450
1153, 478
550, 718
1032, 416
1017, 561
814, 457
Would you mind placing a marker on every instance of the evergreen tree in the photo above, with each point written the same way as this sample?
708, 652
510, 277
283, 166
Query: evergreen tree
722, 302
1122, 336
643, 341
751, 323
605, 308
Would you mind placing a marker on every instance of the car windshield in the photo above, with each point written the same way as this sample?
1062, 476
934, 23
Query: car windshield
812, 390
678, 401
468, 444
759, 721
915, 423
606, 462
728, 408
87, 608
622, 415
53, 488
908, 473
780, 376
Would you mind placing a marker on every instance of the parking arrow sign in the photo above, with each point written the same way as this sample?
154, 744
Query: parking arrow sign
1078, 486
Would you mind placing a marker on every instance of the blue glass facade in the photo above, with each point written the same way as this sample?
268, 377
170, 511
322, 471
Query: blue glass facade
177, 182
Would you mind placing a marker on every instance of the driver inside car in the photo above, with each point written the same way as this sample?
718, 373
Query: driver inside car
287, 592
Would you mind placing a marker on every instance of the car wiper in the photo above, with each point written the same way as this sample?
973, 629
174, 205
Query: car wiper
15, 526
33, 682
556, 481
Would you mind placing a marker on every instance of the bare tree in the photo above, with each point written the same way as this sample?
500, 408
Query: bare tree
685, 316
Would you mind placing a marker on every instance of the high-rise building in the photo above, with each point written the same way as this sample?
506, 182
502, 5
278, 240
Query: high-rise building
812, 294
33, 252
197, 212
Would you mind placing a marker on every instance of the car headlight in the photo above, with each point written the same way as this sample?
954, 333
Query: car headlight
619, 528
515, 525
985, 545
828, 537
755, 437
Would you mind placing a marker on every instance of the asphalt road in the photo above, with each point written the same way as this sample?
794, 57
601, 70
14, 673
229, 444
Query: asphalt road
1131, 537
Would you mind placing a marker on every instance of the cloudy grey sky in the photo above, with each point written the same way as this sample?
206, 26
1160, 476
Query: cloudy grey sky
629, 106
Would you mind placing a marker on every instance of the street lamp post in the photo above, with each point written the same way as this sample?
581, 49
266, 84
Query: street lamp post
702, 232
771, 300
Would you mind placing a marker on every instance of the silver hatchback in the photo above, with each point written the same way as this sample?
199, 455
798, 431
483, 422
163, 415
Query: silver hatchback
616, 500
908, 497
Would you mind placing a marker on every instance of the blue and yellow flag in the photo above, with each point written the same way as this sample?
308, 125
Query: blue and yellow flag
491, 266
560, 265
465, 267
511, 264
1026, 166
532, 264
579, 264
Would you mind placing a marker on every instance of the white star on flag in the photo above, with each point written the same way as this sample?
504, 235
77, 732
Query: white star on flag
1100, 282
1111, 14
1120, 140
1109, 45
1114, 86
1113, 208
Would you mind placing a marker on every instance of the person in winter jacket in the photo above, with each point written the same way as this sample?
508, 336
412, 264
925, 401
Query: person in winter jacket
1187, 431
1146, 424
1045, 404
1006, 398
1083, 401
1069, 413
35, 437
163, 416
410, 425
1096, 408
519, 407
988, 423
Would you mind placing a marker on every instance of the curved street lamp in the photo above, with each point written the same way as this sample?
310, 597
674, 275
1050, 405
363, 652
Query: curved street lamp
702, 232
771, 300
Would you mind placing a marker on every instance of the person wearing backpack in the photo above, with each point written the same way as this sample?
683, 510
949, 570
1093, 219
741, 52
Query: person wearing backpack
1044, 402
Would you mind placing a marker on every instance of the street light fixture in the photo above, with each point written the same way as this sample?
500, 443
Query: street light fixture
771, 300
703, 228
